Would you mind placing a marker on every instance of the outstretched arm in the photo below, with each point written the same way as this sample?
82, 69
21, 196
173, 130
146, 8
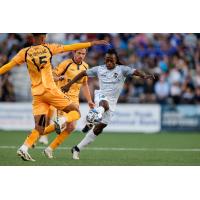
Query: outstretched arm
84, 45
144, 76
17, 60
7, 67
57, 48
74, 80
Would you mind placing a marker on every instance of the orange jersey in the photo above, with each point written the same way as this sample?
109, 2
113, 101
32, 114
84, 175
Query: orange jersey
70, 69
38, 60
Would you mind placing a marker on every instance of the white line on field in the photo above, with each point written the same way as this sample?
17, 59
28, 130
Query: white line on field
115, 149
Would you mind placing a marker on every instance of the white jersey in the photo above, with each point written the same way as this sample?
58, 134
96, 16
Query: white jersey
111, 81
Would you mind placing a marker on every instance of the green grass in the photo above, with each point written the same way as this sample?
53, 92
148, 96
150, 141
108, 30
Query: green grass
149, 150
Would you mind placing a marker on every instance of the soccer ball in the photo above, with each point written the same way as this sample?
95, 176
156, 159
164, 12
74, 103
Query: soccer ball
93, 117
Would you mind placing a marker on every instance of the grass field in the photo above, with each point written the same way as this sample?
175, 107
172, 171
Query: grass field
110, 149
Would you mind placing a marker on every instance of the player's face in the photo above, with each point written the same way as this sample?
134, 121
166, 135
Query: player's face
110, 61
79, 55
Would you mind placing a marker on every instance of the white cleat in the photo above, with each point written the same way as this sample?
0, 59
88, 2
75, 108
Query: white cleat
24, 155
75, 153
43, 140
60, 124
48, 153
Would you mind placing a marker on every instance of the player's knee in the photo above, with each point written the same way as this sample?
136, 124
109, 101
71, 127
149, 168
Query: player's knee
98, 129
104, 104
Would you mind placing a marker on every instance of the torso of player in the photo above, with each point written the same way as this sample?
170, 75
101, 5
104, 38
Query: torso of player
70, 71
111, 81
37, 58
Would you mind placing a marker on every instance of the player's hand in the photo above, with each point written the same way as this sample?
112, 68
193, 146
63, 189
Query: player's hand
100, 42
61, 78
91, 104
65, 88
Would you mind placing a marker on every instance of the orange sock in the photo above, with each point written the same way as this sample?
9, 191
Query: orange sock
49, 129
32, 138
72, 116
59, 139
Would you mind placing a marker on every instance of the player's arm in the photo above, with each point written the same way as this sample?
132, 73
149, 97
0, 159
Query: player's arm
58, 78
56, 48
17, 60
74, 80
143, 75
86, 93
128, 71
7, 67
57, 72
90, 72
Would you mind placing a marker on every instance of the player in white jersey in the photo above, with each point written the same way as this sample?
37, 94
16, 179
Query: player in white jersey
111, 80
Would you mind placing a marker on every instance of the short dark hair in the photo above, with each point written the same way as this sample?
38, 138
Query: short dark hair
113, 51
38, 34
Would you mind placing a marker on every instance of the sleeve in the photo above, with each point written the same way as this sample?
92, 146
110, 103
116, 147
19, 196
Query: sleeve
93, 72
20, 57
58, 48
85, 79
5, 68
127, 71
60, 68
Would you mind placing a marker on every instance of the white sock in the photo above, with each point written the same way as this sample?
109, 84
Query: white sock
49, 149
24, 148
89, 138
100, 109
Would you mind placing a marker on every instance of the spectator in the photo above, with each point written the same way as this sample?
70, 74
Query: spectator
162, 90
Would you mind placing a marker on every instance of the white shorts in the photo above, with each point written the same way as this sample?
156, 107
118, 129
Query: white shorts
107, 116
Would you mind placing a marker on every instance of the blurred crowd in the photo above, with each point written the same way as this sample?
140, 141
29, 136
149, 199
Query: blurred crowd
176, 57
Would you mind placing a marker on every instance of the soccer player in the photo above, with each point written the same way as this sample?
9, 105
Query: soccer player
63, 74
44, 90
111, 79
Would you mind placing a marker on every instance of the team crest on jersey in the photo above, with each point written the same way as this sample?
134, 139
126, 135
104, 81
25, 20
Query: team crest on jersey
115, 75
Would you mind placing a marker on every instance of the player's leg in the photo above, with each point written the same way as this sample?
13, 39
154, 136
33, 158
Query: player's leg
89, 138
32, 138
62, 102
93, 117
59, 139
40, 110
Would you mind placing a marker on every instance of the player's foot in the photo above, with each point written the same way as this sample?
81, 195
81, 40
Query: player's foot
60, 125
48, 152
75, 153
24, 155
43, 140
87, 128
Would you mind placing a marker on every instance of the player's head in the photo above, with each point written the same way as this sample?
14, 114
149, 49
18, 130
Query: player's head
39, 38
111, 59
79, 55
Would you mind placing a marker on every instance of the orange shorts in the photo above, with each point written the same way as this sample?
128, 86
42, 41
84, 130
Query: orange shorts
54, 97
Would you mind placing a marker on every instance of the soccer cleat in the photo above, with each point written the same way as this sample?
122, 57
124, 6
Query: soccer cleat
75, 153
24, 155
87, 128
43, 140
48, 153
60, 125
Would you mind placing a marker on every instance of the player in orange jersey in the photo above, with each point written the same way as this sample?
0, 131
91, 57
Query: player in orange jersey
64, 73
44, 90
